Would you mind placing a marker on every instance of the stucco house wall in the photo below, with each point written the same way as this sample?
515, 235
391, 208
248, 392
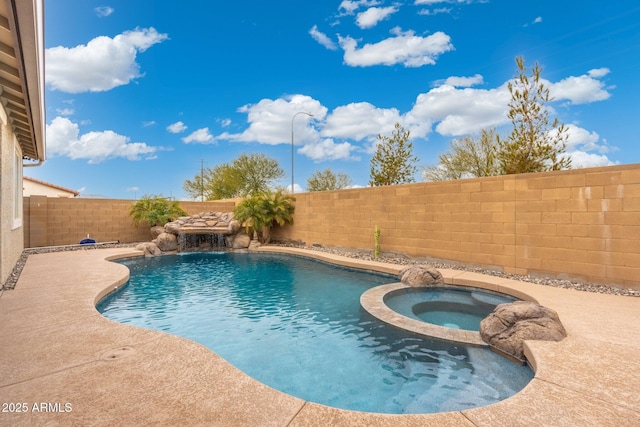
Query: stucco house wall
21, 116
11, 235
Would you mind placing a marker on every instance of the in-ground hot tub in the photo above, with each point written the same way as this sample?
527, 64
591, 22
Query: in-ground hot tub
447, 306
448, 312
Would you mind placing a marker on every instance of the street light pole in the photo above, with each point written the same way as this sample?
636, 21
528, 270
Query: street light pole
292, 118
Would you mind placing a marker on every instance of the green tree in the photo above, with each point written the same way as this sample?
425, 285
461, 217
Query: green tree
535, 144
155, 210
246, 175
468, 158
393, 161
262, 211
328, 180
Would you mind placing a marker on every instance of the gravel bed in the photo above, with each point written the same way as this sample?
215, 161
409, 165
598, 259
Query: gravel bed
388, 257
401, 259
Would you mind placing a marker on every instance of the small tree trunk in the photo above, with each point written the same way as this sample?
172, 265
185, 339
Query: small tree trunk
266, 234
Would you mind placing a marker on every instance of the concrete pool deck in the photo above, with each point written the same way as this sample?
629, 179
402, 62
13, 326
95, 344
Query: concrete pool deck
62, 363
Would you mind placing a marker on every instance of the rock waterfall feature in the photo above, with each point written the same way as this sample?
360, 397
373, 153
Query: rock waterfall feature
201, 232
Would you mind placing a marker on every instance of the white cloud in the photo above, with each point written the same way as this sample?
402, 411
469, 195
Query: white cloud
101, 64
405, 48
297, 188
327, 149
349, 7
370, 17
64, 139
461, 111
442, 9
132, 189
149, 123
103, 11
434, 12
586, 149
270, 121
322, 38
177, 127
464, 81
582, 159
582, 89
202, 136
537, 20
225, 122
65, 111
579, 137
353, 128
360, 120
598, 72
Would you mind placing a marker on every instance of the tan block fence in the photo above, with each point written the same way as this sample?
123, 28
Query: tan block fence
582, 224
50, 221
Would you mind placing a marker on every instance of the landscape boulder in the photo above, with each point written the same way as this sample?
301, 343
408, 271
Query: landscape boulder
149, 249
167, 242
254, 245
201, 231
241, 241
204, 223
512, 323
234, 226
420, 275
156, 230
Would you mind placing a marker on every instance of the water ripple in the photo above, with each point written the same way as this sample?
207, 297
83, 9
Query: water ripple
296, 325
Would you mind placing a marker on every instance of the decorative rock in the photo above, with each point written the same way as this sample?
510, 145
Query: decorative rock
254, 245
212, 225
204, 222
420, 275
512, 323
173, 227
156, 230
149, 249
167, 242
234, 226
241, 241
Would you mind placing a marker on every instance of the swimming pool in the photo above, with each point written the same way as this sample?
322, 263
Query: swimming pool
296, 324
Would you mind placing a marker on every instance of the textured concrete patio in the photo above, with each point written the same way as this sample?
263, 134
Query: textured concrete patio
70, 366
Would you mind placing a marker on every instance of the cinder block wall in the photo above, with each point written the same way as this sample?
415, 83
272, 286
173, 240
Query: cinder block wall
65, 221
582, 224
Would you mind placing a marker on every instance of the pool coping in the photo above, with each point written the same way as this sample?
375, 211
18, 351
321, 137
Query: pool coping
373, 302
58, 349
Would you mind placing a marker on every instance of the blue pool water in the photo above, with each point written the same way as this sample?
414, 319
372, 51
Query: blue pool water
451, 307
297, 325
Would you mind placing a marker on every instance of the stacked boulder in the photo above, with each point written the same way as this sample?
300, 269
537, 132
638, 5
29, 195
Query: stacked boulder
166, 239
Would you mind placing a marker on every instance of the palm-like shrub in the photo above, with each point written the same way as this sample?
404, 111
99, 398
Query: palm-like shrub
250, 213
155, 210
262, 211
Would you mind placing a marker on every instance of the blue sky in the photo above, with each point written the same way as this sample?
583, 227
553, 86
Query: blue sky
139, 93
